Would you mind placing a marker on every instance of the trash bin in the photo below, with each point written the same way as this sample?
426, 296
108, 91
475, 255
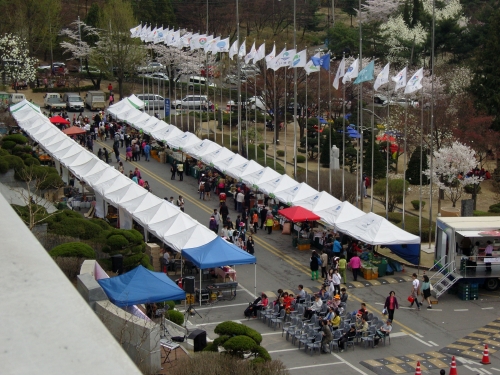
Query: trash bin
382, 267
294, 242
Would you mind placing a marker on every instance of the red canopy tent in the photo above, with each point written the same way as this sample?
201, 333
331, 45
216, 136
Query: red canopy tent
74, 130
59, 120
298, 214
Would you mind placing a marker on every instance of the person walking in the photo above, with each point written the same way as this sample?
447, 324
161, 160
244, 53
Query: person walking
263, 217
324, 264
391, 304
106, 156
415, 290
180, 203
173, 170
336, 280
224, 212
426, 291
342, 264
117, 152
240, 198
269, 223
255, 221
180, 171
488, 253
314, 265
355, 264
217, 219
147, 151
212, 225
250, 245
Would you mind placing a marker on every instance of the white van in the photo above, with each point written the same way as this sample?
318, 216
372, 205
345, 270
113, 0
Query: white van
73, 101
197, 81
16, 98
191, 102
151, 101
95, 100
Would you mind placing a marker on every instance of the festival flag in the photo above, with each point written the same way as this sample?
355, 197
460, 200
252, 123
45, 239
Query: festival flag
352, 72
145, 32
414, 83
310, 67
285, 59
382, 78
221, 46
323, 61
151, 36
260, 54
274, 63
204, 40
210, 44
234, 49
250, 54
400, 80
366, 74
135, 31
174, 38
271, 56
299, 60
159, 35
243, 49
340, 74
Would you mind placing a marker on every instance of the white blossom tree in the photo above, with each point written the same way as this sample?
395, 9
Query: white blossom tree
15, 61
450, 168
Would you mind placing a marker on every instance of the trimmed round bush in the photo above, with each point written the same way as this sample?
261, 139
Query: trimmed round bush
280, 152
469, 189
18, 150
301, 158
239, 344
8, 145
16, 138
117, 242
73, 250
262, 353
170, 304
219, 341
51, 181
416, 204
175, 317
494, 208
103, 224
31, 161
302, 150
263, 146
4, 165
230, 329
4, 152
211, 347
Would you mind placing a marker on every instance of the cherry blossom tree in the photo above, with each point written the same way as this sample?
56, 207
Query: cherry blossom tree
15, 61
450, 168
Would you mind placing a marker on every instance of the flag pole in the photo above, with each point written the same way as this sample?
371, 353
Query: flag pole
239, 76
275, 117
295, 92
265, 110
343, 136
246, 114
421, 155
255, 114
404, 162
305, 119
373, 146
284, 122
318, 116
330, 129
387, 150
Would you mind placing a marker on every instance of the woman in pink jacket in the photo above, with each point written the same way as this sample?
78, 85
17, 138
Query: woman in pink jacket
355, 264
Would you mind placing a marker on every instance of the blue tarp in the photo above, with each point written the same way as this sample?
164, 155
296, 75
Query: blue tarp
217, 253
141, 286
409, 252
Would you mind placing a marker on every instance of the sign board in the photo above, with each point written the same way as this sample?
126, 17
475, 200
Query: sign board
167, 107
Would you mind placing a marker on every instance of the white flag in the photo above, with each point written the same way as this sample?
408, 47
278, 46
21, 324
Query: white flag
251, 54
243, 49
135, 31
414, 83
186, 40
151, 36
159, 35
234, 49
340, 74
299, 60
285, 59
174, 38
382, 78
400, 80
204, 40
274, 64
221, 46
210, 44
145, 32
310, 67
193, 41
352, 72
271, 56
260, 54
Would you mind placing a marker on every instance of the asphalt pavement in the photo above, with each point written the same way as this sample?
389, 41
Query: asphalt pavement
451, 327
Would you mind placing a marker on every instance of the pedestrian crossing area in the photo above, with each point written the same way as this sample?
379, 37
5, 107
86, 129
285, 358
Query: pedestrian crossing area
472, 345
429, 362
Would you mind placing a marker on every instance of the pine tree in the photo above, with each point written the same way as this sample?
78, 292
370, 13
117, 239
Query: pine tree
379, 164
413, 171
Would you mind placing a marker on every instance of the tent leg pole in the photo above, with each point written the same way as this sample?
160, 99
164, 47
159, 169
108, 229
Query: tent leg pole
255, 280
200, 286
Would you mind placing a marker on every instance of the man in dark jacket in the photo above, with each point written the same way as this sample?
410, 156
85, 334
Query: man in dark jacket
263, 215
224, 211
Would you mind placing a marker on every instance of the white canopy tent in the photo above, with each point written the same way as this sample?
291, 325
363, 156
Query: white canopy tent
339, 213
281, 183
239, 172
295, 193
260, 177
319, 201
183, 141
214, 156
198, 150
230, 162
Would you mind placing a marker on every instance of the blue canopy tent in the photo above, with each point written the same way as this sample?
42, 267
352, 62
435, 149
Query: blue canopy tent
141, 285
219, 253
322, 120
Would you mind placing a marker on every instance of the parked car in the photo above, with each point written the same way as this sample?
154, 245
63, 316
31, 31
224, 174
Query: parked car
53, 100
152, 101
95, 100
73, 101
16, 98
232, 79
151, 68
159, 76
191, 102
92, 70
196, 81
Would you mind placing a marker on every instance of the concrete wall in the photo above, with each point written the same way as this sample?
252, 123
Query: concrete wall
138, 337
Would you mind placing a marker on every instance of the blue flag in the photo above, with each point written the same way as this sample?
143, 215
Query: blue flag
366, 74
323, 61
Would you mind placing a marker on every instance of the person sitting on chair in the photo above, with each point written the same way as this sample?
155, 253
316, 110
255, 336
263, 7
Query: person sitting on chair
384, 331
315, 307
261, 305
346, 337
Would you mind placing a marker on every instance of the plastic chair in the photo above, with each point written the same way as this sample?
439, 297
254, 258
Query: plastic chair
335, 341
298, 331
270, 313
368, 337
350, 342
386, 336
314, 344
298, 311
324, 310
278, 319
289, 327
307, 337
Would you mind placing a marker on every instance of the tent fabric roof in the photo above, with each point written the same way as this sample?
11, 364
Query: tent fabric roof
58, 120
375, 230
141, 285
217, 253
74, 130
298, 214
282, 187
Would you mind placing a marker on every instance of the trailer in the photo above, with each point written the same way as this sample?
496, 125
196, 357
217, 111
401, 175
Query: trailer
453, 256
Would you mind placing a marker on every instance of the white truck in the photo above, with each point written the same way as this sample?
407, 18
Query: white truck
454, 258
95, 100
52, 100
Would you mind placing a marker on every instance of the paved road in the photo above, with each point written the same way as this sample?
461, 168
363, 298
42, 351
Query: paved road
418, 335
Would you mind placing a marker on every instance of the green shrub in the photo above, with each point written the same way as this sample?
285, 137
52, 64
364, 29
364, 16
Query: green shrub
237, 345
230, 328
211, 348
52, 181
219, 341
254, 335
66, 89
4, 152
280, 152
175, 317
134, 260
494, 208
4, 165
74, 250
117, 242
171, 304
301, 158
74, 227
23, 212
416, 204
8, 145
261, 352
17, 138
103, 224
262, 146
469, 189
31, 161
302, 150
18, 150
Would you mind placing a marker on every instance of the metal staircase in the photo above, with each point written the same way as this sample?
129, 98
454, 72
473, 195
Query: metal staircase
446, 277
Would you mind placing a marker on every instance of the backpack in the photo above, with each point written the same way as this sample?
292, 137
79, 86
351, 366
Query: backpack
202, 186
320, 262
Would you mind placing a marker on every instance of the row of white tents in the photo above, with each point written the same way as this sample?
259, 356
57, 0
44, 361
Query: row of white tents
157, 216
345, 217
